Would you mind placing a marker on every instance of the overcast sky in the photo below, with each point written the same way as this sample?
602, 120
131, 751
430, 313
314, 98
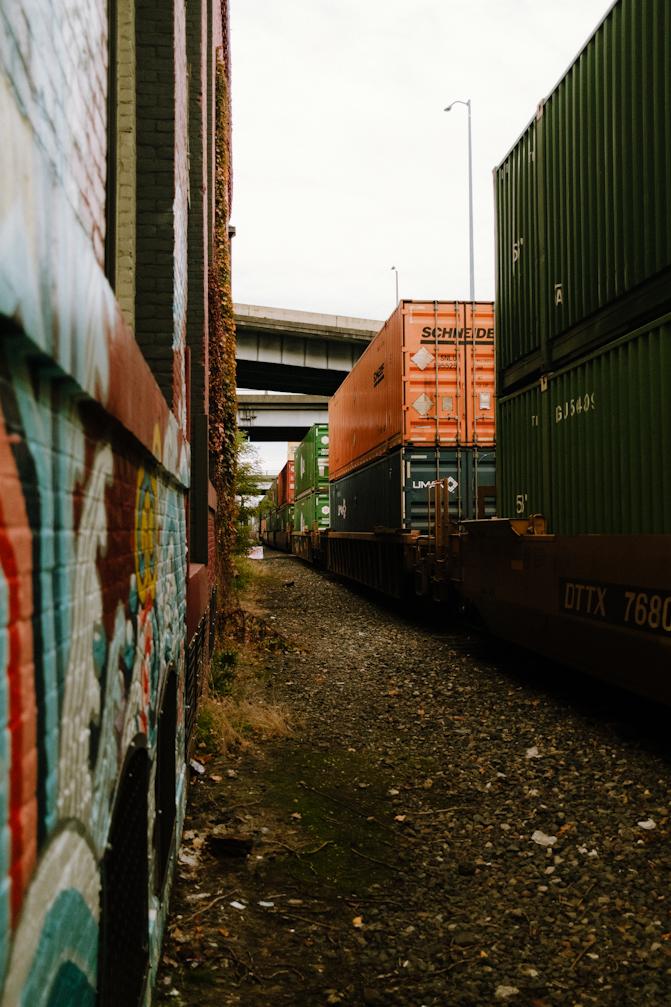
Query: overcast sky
344, 162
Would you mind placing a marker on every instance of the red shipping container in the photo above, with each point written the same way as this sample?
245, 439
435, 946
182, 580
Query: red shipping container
427, 379
285, 485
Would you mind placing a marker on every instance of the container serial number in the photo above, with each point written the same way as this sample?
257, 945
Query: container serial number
575, 407
648, 611
644, 609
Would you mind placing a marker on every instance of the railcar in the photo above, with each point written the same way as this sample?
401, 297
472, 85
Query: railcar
579, 567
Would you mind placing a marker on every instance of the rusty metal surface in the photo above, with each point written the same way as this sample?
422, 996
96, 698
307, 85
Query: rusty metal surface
598, 603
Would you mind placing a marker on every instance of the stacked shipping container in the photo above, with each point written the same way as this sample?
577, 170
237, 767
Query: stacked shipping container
277, 509
311, 462
584, 289
417, 407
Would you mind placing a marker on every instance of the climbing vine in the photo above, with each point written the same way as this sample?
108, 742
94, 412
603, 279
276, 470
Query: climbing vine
223, 401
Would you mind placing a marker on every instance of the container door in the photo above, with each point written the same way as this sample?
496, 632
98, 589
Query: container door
432, 371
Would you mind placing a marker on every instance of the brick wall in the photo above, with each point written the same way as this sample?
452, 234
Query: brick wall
93, 457
56, 54
155, 193
125, 154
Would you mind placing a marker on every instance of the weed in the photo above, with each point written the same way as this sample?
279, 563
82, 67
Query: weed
222, 671
236, 710
244, 574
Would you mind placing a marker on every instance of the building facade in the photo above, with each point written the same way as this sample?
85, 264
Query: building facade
106, 570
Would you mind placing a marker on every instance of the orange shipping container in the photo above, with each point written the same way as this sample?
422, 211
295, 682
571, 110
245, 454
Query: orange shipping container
427, 378
285, 485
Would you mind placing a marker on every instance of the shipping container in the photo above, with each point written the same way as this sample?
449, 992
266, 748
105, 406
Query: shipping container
426, 379
311, 461
311, 511
589, 446
583, 202
279, 526
285, 485
392, 493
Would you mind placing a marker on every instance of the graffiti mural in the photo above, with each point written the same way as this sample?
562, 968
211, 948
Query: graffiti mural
94, 479
92, 616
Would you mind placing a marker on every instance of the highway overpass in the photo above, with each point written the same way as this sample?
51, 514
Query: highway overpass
268, 417
282, 350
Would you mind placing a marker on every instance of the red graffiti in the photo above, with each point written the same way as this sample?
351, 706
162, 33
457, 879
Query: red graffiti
16, 563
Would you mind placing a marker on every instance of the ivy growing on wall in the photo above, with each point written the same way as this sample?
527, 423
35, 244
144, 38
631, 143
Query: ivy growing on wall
223, 401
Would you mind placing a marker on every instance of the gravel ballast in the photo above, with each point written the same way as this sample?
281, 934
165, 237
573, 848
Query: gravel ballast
440, 829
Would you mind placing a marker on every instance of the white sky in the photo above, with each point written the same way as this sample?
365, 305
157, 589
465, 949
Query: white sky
344, 162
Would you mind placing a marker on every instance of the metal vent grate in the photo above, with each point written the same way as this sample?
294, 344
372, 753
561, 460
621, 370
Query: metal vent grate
166, 779
123, 948
195, 656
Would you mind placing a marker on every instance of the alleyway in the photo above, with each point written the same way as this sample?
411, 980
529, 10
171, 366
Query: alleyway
436, 831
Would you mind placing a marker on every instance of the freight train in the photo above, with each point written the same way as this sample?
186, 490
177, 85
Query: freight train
577, 566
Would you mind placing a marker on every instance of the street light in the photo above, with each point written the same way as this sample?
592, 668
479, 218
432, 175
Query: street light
395, 270
467, 103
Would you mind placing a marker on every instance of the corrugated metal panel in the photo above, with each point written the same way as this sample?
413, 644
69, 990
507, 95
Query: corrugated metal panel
284, 518
602, 206
520, 487
598, 461
312, 510
394, 492
426, 378
448, 373
370, 497
285, 484
311, 460
467, 471
517, 309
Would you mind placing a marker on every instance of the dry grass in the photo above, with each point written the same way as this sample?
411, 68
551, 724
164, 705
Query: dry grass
236, 710
225, 724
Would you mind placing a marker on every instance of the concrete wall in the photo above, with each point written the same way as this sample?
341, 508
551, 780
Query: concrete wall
94, 462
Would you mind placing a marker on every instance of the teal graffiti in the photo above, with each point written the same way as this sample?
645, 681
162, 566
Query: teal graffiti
69, 935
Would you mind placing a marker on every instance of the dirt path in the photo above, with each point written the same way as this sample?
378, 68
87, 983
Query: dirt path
436, 831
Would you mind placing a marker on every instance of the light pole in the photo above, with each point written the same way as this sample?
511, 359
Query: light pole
467, 103
395, 270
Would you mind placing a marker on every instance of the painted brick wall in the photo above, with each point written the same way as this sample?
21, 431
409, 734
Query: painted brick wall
57, 59
92, 605
94, 464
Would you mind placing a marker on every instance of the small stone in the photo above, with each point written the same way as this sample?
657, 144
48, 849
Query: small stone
542, 839
464, 938
505, 992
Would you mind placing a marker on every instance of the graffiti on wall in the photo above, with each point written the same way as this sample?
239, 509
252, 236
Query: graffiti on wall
92, 613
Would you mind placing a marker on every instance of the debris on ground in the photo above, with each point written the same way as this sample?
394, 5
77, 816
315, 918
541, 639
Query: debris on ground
440, 826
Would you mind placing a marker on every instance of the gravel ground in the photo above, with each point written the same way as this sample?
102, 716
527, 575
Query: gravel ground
440, 829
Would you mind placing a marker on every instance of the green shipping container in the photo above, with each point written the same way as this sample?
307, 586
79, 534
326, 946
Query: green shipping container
312, 511
285, 517
583, 202
589, 447
311, 460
